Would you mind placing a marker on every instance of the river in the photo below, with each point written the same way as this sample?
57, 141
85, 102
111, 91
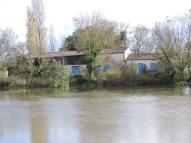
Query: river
145, 115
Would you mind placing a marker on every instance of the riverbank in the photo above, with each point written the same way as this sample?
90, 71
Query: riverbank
85, 84
110, 82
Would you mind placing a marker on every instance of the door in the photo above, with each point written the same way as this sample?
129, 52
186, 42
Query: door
75, 70
140, 68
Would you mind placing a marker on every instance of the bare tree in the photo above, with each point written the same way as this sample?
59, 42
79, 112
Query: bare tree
36, 34
140, 40
22, 48
170, 41
7, 42
187, 33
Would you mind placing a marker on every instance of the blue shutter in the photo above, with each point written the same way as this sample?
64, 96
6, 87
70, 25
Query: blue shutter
106, 68
153, 66
141, 68
75, 70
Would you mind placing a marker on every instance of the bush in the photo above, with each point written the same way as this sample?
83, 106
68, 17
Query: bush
12, 82
78, 79
4, 83
38, 72
55, 75
16, 82
133, 79
181, 84
111, 78
38, 82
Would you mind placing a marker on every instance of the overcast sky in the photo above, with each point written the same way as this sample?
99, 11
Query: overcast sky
59, 13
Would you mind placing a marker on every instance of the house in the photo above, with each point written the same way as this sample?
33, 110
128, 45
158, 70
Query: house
143, 61
75, 61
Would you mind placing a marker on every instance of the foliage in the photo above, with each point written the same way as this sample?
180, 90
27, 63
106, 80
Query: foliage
112, 77
170, 41
127, 76
12, 82
46, 73
55, 74
69, 43
93, 34
181, 84
40, 72
15, 82
2, 66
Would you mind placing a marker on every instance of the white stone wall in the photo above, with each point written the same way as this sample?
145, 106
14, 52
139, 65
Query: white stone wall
118, 57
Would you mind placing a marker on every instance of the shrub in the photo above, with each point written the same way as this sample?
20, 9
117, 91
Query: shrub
111, 76
55, 75
16, 82
39, 72
12, 82
181, 84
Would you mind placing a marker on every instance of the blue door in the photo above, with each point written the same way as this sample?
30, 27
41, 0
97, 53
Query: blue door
140, 68
75, 70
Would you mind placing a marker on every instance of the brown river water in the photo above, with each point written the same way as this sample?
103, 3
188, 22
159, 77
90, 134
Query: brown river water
145, 115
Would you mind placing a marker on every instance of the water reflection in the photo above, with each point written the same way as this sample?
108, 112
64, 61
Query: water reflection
14, 122
187, 91
97, 117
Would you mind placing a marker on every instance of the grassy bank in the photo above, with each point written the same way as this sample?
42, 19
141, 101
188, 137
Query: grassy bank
118, 79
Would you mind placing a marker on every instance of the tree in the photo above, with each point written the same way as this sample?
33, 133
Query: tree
52, 40
22, 48
36, 31
7, 42
140, 39
187, 33
123, 35
69, 43
94, 34
32, 38
170, 42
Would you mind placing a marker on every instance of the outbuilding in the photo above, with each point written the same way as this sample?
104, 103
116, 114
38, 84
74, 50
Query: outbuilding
143, 61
